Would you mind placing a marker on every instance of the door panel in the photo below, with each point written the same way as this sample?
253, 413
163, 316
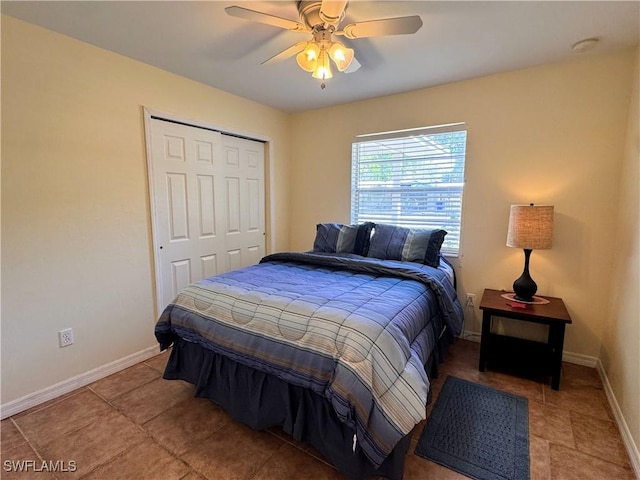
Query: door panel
174, 148
208, 266
207, 197
233, 205
177, 207
204, 151
206, 206
253, 203
180, 274
234, 259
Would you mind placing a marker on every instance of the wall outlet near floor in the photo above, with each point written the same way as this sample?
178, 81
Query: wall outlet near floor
471, 300
65, 337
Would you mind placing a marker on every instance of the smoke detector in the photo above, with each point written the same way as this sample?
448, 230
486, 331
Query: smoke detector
585, 45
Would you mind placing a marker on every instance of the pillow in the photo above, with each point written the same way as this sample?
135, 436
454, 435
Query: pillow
390, 242
363, 239
335, 238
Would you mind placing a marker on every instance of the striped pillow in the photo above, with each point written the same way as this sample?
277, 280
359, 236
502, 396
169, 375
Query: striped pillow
390, 242
363, 239
335, 238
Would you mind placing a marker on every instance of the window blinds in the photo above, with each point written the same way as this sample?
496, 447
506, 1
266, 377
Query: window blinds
411, 178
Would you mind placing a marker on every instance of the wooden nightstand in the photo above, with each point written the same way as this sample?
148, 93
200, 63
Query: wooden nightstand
545, 358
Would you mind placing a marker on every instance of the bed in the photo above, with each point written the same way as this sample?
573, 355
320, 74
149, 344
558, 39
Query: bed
332, 346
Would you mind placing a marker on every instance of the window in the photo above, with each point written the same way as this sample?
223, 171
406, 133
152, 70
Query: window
411, 178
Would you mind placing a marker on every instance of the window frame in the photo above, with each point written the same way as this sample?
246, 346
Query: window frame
455, 163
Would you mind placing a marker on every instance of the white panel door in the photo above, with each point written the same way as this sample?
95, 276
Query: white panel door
243, 166
199, 205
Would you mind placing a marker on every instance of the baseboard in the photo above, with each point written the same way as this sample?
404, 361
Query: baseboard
627, 438
49, 393
471, 336
580, 359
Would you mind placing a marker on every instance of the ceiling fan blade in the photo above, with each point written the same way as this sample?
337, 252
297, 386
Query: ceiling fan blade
386, 26
286, 53
331, 11
355, 65
261, 17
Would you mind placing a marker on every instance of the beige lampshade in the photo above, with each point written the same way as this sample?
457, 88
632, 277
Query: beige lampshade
530, 227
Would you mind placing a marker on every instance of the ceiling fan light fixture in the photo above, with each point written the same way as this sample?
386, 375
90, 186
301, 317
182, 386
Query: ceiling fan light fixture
341, 55
308, 58
321, 19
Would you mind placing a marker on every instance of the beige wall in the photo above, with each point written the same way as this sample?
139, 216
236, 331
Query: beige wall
552, 134
620, 352
75, 213
76, 234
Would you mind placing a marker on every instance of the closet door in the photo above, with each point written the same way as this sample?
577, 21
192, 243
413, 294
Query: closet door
244, 201
207, 201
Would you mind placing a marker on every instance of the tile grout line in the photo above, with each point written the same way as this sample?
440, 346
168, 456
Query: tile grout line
35, 450
548, 459
123, 452
284, 442
73, 430
49, 403
85, 426
626, 467
151, 437
575, 443
89, 387
173, 455
147, 436
578, 449
298, 447
118, 409
575, 447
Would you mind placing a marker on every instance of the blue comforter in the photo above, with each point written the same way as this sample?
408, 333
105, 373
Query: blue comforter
350, 328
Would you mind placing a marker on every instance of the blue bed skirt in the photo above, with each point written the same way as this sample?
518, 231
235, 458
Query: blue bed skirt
261, 401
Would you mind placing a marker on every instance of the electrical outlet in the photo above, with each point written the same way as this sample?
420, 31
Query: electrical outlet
471, 298
65, 337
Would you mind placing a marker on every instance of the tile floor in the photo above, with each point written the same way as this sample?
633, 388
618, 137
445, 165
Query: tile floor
135, 425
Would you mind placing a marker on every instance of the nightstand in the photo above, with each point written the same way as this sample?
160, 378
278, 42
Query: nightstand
545, 358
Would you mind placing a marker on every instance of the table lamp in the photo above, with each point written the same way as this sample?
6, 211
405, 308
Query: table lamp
530, 227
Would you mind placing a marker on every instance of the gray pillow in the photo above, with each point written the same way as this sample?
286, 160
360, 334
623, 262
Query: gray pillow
335, 238
390, 242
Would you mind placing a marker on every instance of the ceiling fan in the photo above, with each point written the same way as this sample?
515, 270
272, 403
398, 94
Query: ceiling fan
321, 19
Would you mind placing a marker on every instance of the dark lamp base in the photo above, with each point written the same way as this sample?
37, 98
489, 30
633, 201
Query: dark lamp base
518, 298
524, 287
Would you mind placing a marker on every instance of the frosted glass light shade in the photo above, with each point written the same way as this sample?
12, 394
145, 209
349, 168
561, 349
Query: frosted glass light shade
323, 67
341, 55
308, 58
